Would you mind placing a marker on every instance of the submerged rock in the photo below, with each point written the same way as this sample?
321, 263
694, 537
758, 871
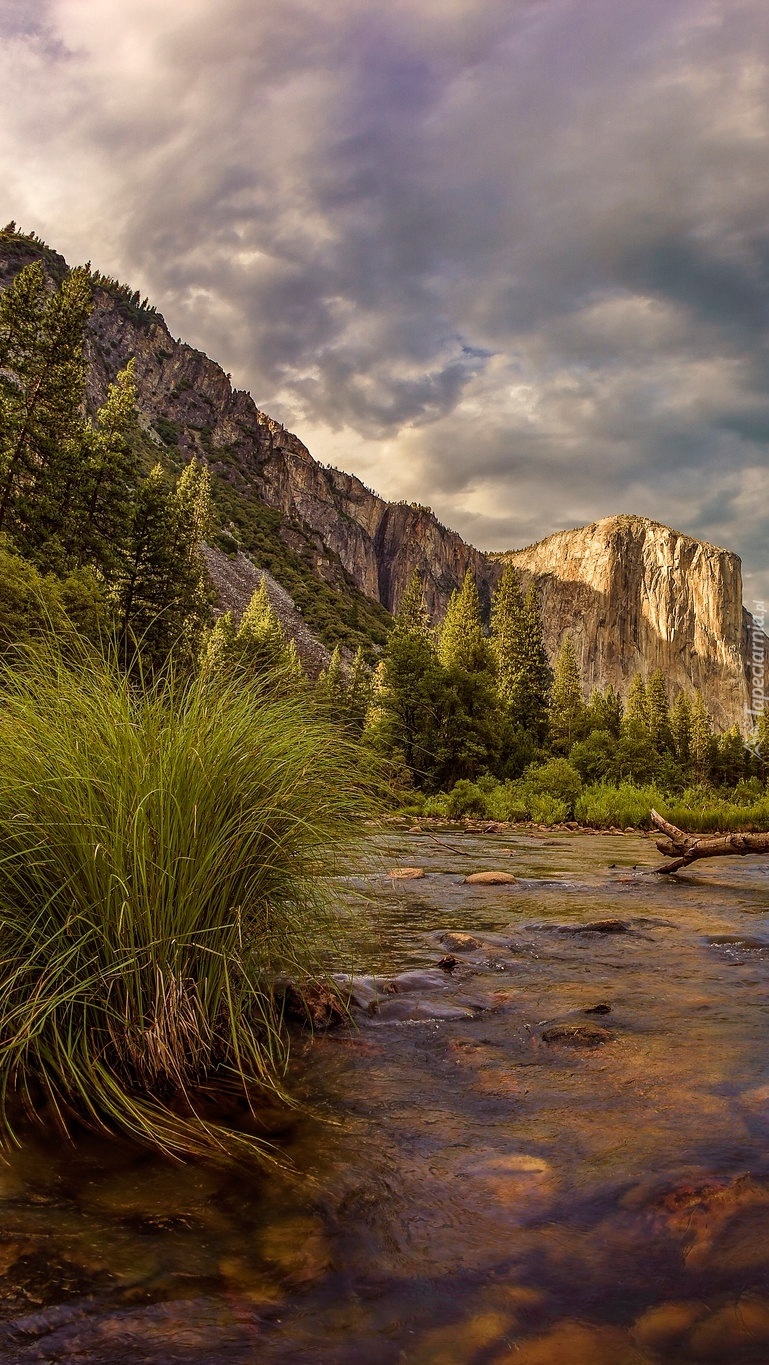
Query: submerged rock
313, 1005
490, 879
406, 874
402, 1009
460, 943
576, 1035
598, 926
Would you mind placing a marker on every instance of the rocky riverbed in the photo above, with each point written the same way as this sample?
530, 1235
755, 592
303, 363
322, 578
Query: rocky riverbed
544, 1138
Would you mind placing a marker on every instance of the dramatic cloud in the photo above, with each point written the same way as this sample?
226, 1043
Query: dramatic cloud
508, 259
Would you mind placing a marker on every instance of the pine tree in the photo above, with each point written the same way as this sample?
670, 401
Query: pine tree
701, 737
461, 640
534, 676
163, 599
42, 387
259, 649
567, 712
658, 715
218, 645
681, 727
604, 711
412, 615
636, 707
358, 691
99, 527
506, 636
331, 689
404, 717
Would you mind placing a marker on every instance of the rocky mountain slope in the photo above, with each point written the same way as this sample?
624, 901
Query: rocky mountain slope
634, 594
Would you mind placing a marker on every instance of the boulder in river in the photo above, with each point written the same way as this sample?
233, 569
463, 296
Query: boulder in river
407, 874
460, 943
490, 879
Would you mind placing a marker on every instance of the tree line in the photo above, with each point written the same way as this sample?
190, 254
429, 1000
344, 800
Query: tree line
85, 528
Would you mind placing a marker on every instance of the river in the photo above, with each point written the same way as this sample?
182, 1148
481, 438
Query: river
556, 1153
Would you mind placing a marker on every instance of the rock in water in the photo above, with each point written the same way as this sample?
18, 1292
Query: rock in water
460, 943
407, 874
576, 1035
490, 879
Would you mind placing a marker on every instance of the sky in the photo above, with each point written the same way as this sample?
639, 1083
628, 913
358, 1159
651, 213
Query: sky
507, 258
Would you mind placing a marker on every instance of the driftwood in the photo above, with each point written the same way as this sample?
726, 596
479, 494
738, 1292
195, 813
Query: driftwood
686, 848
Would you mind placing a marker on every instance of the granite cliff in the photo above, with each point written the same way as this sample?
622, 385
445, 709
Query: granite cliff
635, 594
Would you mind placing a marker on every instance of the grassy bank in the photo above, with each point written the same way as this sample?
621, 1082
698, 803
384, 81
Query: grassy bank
553, 793
160, 859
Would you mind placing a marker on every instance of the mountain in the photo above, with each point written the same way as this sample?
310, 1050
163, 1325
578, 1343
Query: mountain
634, 594
637, 596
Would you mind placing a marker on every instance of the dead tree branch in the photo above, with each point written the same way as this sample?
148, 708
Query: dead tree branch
685, 848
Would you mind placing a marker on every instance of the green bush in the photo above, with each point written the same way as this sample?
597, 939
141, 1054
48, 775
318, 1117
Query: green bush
556, 778
437, 806
465, 798
505, 802
160, 858
548, 810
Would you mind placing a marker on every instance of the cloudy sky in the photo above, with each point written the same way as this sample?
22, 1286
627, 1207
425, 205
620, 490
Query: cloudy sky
506, 257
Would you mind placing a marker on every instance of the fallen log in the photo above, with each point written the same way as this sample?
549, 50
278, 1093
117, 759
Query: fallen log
684, 848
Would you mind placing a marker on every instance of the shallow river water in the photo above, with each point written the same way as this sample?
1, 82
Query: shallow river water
555, 1154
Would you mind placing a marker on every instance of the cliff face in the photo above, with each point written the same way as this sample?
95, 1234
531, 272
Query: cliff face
637, 596
634, 594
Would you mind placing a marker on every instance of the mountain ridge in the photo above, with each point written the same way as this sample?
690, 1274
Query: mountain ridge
634, 593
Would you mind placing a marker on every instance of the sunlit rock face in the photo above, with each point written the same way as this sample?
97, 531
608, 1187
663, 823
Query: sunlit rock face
636, 596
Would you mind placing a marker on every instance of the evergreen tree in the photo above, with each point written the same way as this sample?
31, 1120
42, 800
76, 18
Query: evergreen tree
219, 644
604, 711
461, 640
506, 636
164, 597
100, 523
730, 757
534, 674
358, 691
658, 716
567, 711
404, 716
681, 727
636, 715
42, 387
331, 689
701, 737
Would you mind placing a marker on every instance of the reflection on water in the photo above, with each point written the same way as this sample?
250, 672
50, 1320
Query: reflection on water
555, 1154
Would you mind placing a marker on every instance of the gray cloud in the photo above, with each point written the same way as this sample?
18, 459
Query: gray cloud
512, 260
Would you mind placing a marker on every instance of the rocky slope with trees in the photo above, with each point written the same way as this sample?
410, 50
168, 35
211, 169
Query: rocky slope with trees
634, 595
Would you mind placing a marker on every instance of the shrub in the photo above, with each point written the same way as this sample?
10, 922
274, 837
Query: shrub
548, 810
465, 798
159, 857
437, 805
557, 778
507, 803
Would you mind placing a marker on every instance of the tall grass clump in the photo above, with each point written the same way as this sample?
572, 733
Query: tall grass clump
160, 859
